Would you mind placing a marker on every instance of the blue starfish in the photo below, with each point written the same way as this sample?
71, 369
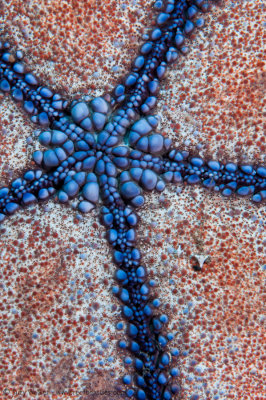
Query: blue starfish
107, 149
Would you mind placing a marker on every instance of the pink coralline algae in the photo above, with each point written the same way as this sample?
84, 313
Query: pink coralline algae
60, 323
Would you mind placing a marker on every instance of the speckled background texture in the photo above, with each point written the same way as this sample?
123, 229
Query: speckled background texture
58, 336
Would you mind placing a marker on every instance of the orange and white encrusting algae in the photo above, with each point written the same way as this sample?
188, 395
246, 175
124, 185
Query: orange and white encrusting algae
217, 94
58, 313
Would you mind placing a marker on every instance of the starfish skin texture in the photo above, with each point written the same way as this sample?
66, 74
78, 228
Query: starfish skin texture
100, 148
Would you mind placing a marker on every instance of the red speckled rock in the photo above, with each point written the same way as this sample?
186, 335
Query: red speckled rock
57, 322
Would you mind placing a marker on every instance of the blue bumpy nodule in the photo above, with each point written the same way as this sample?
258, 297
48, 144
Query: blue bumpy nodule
107, 149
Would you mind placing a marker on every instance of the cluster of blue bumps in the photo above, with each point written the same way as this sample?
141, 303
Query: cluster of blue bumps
107, 149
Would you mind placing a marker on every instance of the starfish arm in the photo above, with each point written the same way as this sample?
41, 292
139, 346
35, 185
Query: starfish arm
76, 120
33, 186
177, 166
72, 177
146, 341
41, 103
229, 178
163, 46
62, 169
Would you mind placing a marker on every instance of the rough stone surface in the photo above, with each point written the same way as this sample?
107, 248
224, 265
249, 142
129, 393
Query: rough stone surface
55, 318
